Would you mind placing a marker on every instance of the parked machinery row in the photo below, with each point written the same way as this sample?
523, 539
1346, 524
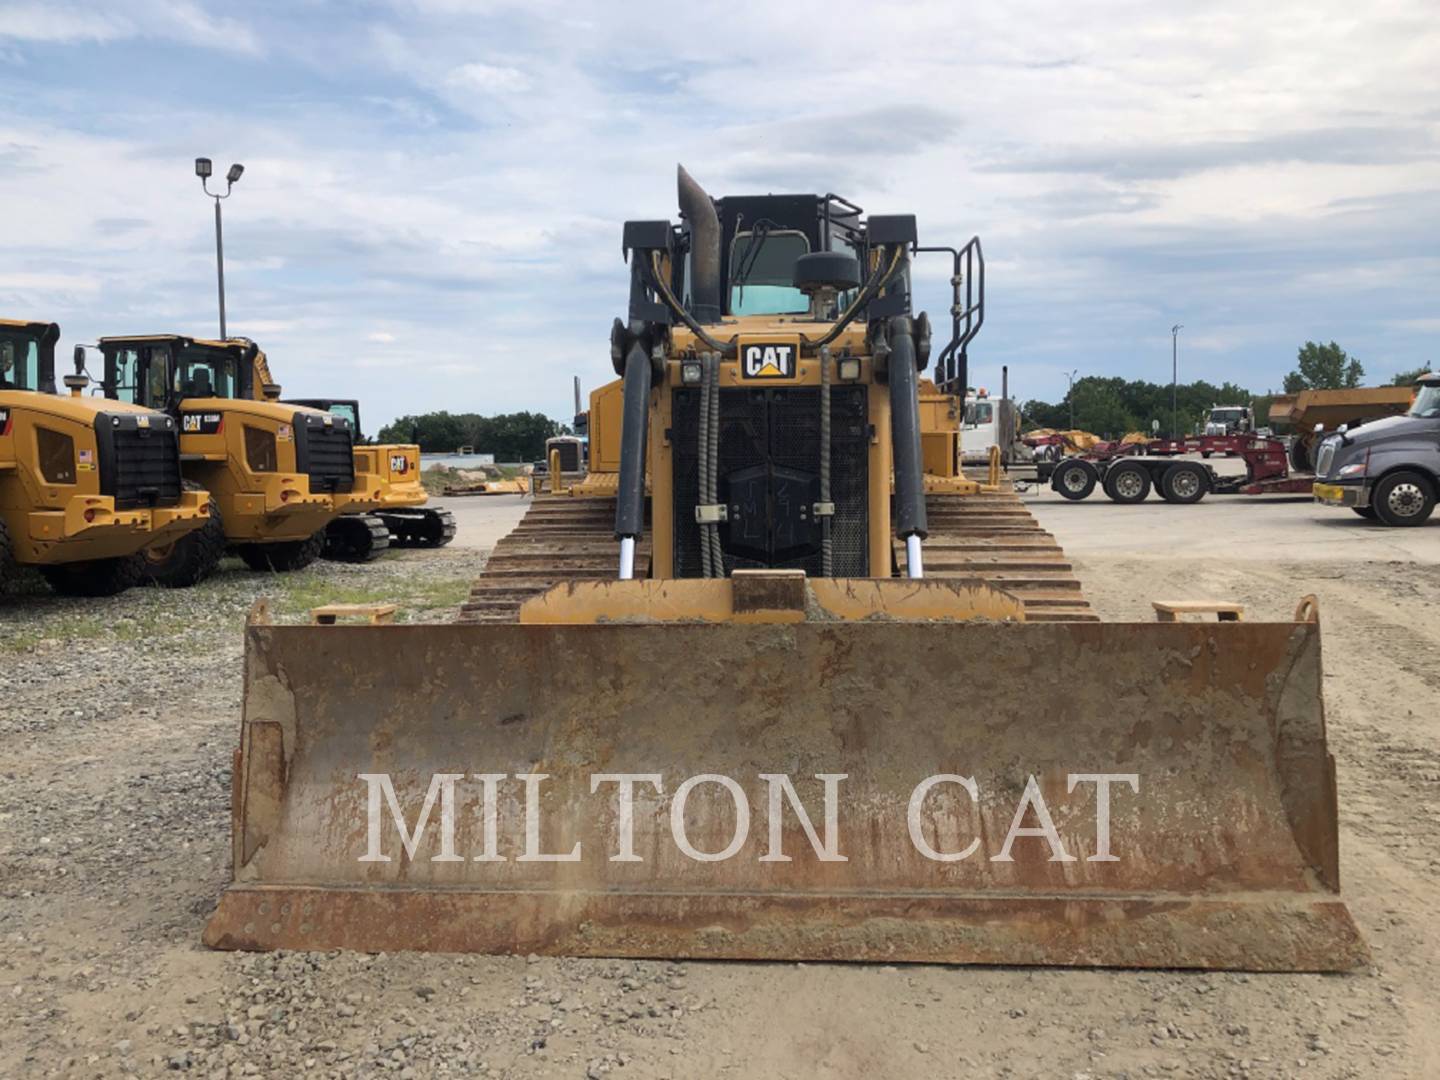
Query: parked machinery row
176, 456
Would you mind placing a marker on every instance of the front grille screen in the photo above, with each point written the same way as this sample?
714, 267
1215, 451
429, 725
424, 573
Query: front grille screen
769, 477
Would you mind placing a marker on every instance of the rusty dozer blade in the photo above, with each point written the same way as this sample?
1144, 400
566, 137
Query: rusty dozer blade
828, 789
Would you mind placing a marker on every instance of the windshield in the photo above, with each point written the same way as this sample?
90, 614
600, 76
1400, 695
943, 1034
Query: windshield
1427, 402
979, 412
205, 372
762, 272
1225, 416
19, 363
345, 411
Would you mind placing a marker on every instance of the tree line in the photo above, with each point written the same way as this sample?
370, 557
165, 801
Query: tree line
1113, 406
518, 436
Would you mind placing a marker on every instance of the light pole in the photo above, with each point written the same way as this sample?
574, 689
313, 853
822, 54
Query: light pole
1070, 395
1175, 380
202, 170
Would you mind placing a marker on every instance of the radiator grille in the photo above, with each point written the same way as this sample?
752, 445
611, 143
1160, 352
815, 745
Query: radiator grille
1323, 462
139, 466
325, 453
770, 442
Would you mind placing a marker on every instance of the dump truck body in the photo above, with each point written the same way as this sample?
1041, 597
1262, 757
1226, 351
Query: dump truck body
754, 693
82, 480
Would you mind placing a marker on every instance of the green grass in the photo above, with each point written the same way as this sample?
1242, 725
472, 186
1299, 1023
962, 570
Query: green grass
88, 628
299, 594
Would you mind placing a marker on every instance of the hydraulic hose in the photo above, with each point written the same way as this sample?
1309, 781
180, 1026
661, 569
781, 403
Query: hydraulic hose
703, 462
910, 520
630, 495
717, 553
827, 550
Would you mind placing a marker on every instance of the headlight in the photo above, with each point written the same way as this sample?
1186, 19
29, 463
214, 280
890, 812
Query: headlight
1355, 469
690, 372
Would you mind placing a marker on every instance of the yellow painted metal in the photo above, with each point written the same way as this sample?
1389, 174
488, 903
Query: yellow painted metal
725, 600
557, 477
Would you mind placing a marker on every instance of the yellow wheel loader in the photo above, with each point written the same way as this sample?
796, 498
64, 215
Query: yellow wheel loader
763, 686
400, 497
276, 474
85, 485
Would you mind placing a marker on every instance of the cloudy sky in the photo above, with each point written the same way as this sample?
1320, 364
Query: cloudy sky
430, 214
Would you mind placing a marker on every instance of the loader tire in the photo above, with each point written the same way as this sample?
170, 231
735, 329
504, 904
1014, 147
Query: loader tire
1128, 483
7, 561
1073, 479
95, 577
285, 556
1403, 499
1184, 483
190, 559
356, 538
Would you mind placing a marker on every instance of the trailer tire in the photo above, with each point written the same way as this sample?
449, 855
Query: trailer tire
1184, 483
1403, 498
1074, 479
1205, 454
1299, 456
1128, 483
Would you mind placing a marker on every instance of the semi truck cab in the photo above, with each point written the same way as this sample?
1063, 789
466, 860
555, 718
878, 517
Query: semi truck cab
1388, 470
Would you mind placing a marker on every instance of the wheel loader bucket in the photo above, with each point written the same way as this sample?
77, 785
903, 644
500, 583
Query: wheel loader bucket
958, 791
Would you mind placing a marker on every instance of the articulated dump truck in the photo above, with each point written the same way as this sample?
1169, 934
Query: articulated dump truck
777, 681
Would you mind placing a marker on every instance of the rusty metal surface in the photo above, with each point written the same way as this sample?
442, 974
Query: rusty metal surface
1226, 856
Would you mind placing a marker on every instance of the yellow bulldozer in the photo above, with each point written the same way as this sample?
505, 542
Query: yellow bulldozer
85, 485
774, 682
276, 474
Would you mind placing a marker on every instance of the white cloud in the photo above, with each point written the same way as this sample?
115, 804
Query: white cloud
488, 79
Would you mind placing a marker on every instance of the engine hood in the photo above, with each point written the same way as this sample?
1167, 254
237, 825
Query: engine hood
1387, 429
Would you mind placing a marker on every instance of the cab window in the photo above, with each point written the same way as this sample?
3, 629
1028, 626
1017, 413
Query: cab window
979, 412
125, 378
345, 411
202, 374
19, 364
762, 272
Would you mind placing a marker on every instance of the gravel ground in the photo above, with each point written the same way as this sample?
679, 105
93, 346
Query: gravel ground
117, 723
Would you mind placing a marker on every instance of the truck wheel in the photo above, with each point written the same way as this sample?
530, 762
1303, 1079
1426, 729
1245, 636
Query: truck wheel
1184, 482
1127, 483
1074, 479
96, 577
1403, 498
285, 556
190, 559
1299, 456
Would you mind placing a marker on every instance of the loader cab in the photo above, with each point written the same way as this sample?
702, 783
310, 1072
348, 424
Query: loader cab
163, 372
27, 355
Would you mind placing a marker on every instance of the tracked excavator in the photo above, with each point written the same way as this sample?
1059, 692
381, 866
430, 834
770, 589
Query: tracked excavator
776, 680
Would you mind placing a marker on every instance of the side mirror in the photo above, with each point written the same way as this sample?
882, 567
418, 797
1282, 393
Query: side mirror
1319, 428
1343, 428
1155, 427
